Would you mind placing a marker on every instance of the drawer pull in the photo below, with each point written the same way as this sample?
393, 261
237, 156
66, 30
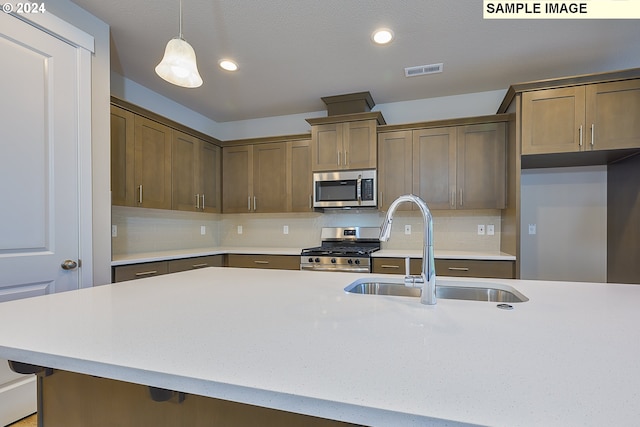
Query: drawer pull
459, 268
146, 273
390, 266
261, 262
200, 265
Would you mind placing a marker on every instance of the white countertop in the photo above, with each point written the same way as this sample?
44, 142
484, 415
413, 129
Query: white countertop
388, 253
294, 340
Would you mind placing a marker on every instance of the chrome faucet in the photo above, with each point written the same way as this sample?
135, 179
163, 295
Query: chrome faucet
428, 276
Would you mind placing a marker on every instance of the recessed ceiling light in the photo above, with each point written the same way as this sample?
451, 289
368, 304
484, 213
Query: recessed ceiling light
227, 64
382, 36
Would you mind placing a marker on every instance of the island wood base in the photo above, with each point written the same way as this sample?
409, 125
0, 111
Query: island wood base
67, 399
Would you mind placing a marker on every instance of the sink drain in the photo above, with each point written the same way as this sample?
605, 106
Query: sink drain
505, 306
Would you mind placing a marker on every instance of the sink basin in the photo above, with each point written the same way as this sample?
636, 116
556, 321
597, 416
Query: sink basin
471, 291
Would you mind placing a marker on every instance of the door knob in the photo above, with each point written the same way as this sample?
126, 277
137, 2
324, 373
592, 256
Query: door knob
69, 264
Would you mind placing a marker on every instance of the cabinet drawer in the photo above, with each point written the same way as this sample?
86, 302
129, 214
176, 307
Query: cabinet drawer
281, 262
475, 268
185, 264
396, 266
139, 271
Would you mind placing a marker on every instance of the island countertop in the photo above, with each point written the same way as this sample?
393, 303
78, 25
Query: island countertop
295, 341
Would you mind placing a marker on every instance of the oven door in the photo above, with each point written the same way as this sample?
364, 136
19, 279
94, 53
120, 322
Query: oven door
344, 189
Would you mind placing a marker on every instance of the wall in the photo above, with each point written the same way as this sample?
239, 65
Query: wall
569, 208
448, 107
100, 130
148, 230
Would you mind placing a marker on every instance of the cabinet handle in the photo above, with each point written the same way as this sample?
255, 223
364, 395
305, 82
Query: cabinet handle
459, 268
261, 262
249, 203
346, 161
580, 130
338, 158
310, 201
204, 264
390, 266
146, 273
461, 200
592, 132
381, 199
197, 201
140, 194
202, 201
255, 205
452, 198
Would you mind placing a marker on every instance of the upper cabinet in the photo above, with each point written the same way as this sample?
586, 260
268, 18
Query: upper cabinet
154, 165
449, 167
600, 116
267, 176
195, 174
577, 121
344, 142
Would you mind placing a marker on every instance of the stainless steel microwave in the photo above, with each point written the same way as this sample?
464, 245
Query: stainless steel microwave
345, 189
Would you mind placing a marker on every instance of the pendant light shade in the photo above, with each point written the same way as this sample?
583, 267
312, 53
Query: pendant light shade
178, 66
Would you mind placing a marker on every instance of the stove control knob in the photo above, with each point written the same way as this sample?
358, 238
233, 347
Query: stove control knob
357, 261
310, 259
317, 259
350, 261
333, 260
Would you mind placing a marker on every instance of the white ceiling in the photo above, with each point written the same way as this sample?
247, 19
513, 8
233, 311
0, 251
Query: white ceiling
292, 52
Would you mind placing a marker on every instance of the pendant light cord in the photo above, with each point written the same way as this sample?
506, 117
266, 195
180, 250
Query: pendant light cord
180, 24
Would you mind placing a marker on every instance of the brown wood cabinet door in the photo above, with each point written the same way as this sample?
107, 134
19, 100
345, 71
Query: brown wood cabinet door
613, 115
185, 172
359, 145
237, 179
279, 262
395, 167
553, 120
326, 147
186, 264
299, 180
269, 177
209, 177
481, 166
152, 164
122, 157
434, 166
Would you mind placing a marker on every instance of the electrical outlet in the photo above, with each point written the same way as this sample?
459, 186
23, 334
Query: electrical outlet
114, 231
407, 229
532, 229
480, 229
285, 229
490, 230
239, 229
203, 230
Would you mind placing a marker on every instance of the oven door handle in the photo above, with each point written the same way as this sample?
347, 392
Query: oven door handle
336, 269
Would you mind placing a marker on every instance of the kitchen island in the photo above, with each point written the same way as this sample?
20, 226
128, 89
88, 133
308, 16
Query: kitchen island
294, 341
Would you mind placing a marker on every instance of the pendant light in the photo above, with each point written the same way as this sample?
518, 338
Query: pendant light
178, 66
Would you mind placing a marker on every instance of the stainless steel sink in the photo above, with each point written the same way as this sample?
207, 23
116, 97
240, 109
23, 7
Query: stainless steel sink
471, 291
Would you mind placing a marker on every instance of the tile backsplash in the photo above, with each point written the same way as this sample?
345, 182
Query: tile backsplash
148, 230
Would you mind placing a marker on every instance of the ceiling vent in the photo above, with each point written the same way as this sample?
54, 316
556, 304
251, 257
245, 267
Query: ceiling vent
421, 70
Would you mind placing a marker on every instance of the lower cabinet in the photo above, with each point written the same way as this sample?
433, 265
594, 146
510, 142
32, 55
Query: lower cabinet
280, 262
449, 267
147, 269
139, 271
185, 264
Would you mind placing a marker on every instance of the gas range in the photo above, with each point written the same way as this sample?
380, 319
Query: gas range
342, 249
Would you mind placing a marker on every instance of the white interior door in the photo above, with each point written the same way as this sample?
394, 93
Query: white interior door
39, 185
